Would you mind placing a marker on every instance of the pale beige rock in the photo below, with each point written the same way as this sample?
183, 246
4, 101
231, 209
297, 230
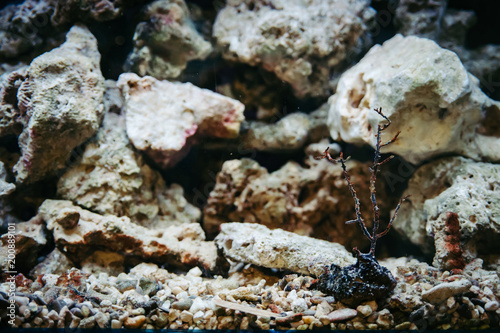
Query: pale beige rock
55, 262
427, 94
342, 314
458, 185
112, 178
164, 125
256, 244
104, 262
62, 102
166, 41
177, 245
289, 38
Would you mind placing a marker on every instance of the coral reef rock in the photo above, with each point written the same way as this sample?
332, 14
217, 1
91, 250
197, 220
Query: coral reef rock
55, 262
289, 38
165, 41
111, 178
302, 200
420, 18
427, 94
6, 188
288, 133
176, 245
11, 120
29, 238
256, 244
453, 185
164, 125
23, 26
365, 280
61, 99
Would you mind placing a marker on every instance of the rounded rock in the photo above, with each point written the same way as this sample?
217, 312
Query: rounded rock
134, 322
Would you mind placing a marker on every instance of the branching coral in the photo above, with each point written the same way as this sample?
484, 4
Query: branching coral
365, 279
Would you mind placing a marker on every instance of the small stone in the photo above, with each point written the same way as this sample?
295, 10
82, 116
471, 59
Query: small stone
183, 304
308, 319
443, 291
138, 312
105, 303
87, 322
85, 311
115, 323
244, 323
134, 322
186, 316
491, 306
403, 326
101, 320
38, 321
385, 319
53, 315
364, 310
149, 287
77, 312
342, 314
358, 325
198, 305
165, 306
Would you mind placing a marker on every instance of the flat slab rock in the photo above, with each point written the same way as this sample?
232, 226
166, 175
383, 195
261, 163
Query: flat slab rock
256, 244
79, 232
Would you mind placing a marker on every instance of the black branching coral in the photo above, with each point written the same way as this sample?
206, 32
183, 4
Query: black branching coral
366, 279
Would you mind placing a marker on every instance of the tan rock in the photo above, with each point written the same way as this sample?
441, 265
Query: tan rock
177, 245
256, 244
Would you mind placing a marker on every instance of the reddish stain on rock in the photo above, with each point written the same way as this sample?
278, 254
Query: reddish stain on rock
454, 260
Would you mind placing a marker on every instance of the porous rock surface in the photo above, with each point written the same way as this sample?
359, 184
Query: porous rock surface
164, 117
458, 185
304, 200
420, 18
112, 178
78, 233
256, 244
30, 238
427, 94
166, 41
61, 101
11, 119
6, 188
289, 38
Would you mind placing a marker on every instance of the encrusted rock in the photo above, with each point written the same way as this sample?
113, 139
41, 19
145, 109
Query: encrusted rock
165, 41
288, 133
427, 94
6, 188
256, 244
457, 185
111, 178
420, 18
108, 262
289, 38
164, 126
365, 280
177, 245
55, 262
11, 118
294, 198
28, 239
61, 100
23, 26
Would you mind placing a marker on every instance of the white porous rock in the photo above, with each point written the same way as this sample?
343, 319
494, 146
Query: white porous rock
163, 117
61, 100
427, 94
288, 133
458, 185
112, 178
302, 42
256, 244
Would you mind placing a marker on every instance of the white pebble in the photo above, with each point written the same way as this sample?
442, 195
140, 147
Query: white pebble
491, 306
